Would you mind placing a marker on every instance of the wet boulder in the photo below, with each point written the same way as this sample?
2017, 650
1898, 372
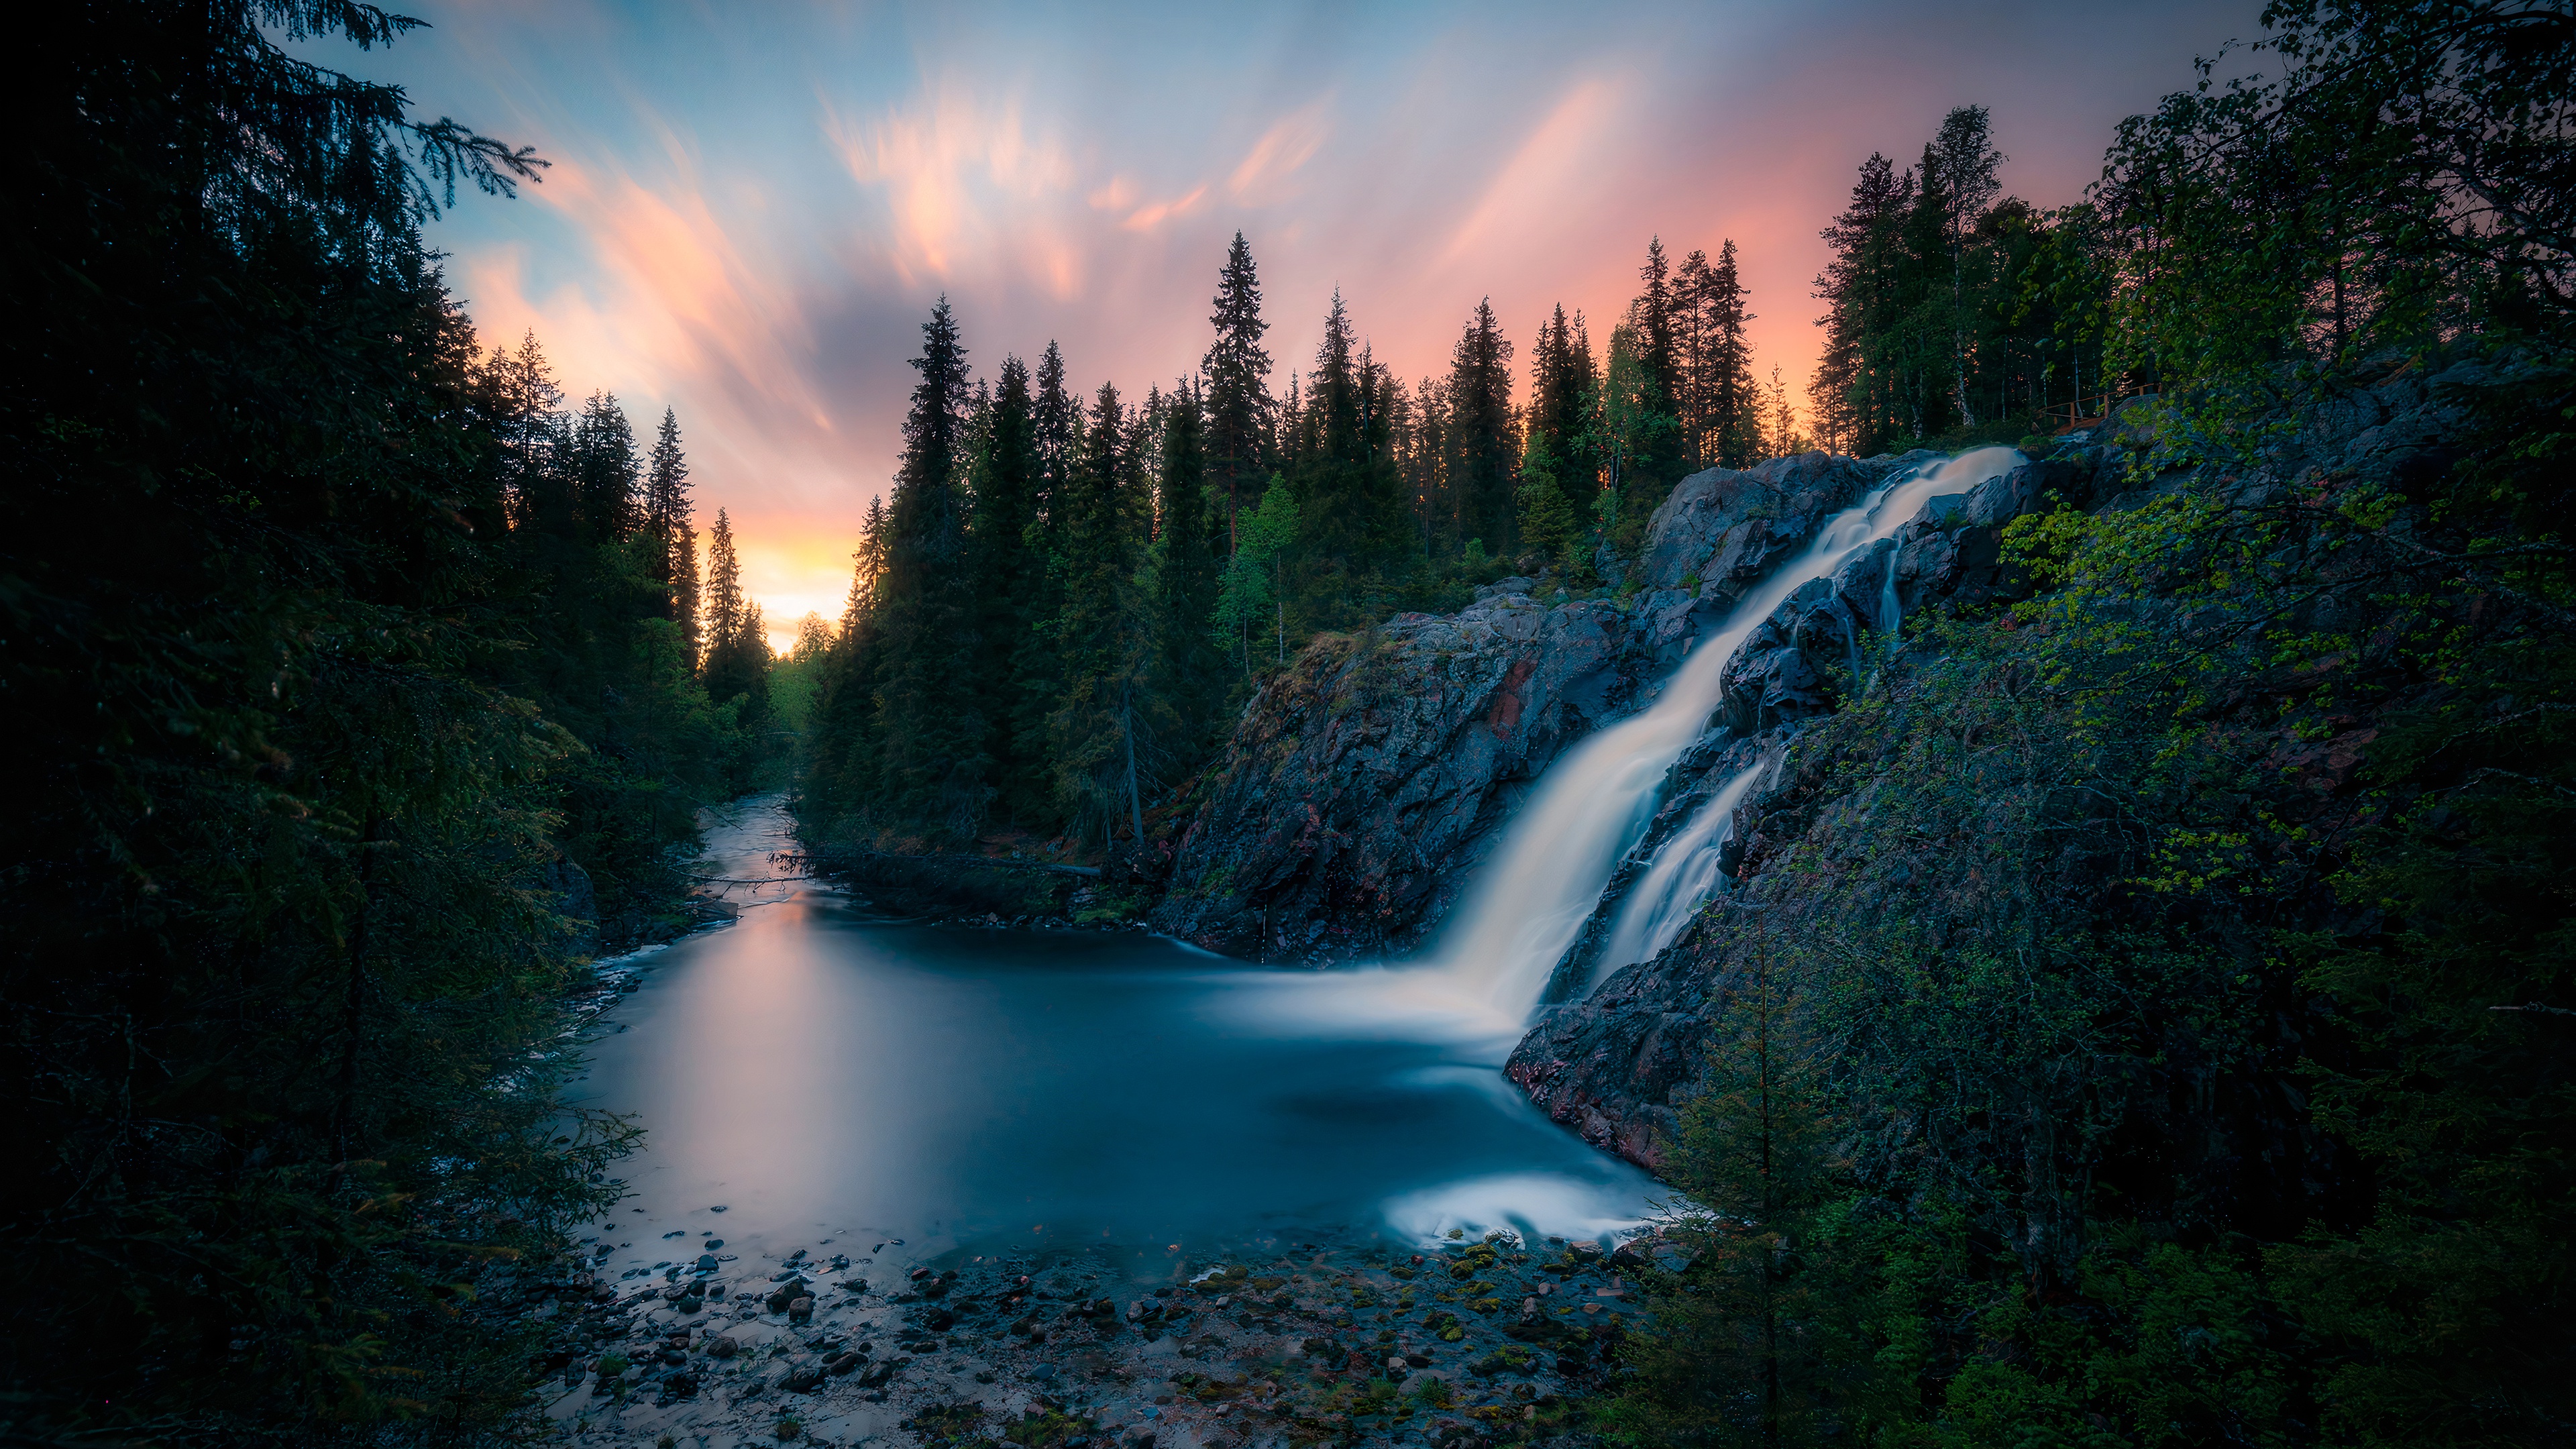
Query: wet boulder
1726, 529
1780, 673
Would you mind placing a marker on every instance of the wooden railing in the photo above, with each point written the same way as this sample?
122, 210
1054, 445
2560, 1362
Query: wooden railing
2068, 414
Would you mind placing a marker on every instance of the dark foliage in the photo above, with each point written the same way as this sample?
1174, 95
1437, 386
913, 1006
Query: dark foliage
352, 714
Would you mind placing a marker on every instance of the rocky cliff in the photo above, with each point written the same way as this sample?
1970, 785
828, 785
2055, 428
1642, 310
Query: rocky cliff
1365, 784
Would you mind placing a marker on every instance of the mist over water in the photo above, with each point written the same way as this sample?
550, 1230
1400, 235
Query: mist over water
823, 1073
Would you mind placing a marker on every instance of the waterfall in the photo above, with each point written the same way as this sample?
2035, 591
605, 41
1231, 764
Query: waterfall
1680, 877
1891, 610
1588, 809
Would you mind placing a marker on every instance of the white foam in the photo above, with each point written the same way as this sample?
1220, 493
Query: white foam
1533, 1204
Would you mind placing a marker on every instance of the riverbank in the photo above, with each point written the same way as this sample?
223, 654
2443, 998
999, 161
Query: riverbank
1076, 1124
1463, 1343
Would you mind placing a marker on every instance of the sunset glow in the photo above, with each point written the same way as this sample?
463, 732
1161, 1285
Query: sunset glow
750, 211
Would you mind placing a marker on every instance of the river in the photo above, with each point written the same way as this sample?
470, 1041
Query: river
835, 1080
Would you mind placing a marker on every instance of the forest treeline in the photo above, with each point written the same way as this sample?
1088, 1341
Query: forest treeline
364, 688
1065, 598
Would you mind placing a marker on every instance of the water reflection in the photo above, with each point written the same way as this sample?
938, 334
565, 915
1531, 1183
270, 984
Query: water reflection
824, 1074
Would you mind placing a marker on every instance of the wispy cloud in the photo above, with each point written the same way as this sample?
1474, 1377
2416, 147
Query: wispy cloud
1262, 176
1536, 189
751, 209
960, 170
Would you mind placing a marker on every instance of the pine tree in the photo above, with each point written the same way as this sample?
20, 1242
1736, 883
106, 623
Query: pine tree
1354, 513
1864, 288
1481, 440
1011, 583
1959, 170
674, 561
1692, 346
1237, 369
1190, 554
1423, 460
606, 478
1734, 407
1652, 315
930, 731
1734, 1355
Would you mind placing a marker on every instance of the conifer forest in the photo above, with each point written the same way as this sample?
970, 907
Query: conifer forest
2093, 964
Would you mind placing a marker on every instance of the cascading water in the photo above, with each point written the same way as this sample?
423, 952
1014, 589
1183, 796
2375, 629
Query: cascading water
1589, 808
1678, 879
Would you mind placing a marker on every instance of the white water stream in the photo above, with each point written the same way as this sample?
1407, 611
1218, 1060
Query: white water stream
1681, 875
1531, 899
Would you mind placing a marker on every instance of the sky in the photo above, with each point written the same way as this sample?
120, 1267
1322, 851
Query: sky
751, 208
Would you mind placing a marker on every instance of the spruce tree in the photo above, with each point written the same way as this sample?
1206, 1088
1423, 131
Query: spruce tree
606, 477
1652, 315
1190, 554
1011, 584
520, 404
1735, 1354
733, 669
666, 515
1355, 516
684, 598
1237, 369
930, 728
841, 786
1481, 444
1733, 406
1102, 719
1056, 416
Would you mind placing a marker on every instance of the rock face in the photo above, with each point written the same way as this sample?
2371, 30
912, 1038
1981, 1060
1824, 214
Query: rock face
1728, 529
1617, 1064
1363, 786
1363, 782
